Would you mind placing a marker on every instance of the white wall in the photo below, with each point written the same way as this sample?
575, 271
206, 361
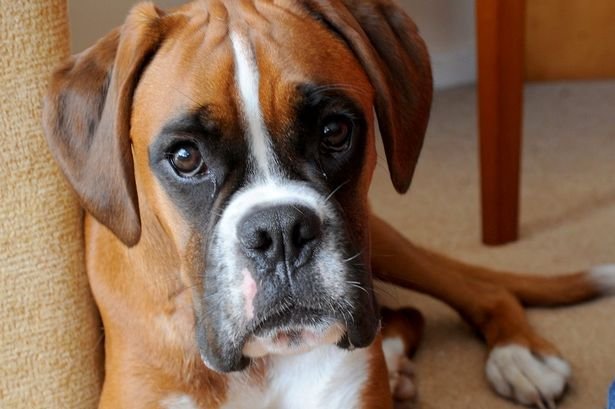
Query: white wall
446, 25
91, 19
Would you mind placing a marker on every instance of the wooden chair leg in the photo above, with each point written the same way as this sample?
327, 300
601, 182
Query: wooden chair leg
500, 30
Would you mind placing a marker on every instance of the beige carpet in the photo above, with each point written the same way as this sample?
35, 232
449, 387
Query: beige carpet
567, 223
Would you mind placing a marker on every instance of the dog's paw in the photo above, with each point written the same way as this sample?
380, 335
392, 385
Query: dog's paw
402, 374
403, 384
527, 377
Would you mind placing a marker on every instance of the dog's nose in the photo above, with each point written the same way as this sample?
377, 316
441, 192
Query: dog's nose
275, 234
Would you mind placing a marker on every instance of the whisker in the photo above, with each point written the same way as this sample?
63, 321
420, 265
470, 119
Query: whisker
335, 191
386, 293
360, 287
352, 258
297, 209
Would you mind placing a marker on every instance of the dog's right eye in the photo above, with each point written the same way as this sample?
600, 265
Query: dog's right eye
187, 160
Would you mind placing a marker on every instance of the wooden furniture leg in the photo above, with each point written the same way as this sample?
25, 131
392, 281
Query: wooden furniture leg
500, 30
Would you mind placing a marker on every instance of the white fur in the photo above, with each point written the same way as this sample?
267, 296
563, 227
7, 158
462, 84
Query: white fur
604, 277
516, 373
247, 77
393, 349
327, 377
178, 402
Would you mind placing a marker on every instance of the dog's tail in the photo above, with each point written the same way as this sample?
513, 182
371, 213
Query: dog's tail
544, 290
399, 261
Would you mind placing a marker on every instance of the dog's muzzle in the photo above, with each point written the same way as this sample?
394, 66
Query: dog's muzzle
283, 277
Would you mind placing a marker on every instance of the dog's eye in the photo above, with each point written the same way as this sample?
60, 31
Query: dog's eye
336, 134
187, 160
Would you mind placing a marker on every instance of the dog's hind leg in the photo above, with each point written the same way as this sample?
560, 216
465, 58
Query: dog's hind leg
401, 334
522, 365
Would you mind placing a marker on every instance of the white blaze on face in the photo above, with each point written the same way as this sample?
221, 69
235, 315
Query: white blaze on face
268, 187
248, 81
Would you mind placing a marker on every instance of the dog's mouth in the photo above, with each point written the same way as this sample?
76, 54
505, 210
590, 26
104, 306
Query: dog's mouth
285, 332
289, 316
293, 330
285, 324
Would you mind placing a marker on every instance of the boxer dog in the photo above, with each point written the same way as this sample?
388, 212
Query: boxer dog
223, 152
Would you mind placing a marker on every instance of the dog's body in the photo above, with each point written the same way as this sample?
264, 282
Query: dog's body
224, 152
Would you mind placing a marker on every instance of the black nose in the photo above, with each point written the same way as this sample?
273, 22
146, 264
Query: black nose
279, 236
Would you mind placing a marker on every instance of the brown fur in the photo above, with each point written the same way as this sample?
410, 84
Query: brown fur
376, 394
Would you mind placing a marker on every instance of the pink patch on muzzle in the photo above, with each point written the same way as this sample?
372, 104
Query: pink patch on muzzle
248, 289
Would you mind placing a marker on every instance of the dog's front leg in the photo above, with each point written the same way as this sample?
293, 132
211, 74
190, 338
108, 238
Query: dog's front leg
522, 365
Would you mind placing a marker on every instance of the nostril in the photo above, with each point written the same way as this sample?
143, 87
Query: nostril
258, 239
263, 241
305, 231
298, 235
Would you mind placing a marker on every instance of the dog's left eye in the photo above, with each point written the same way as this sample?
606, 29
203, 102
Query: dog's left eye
336, 134
187, 160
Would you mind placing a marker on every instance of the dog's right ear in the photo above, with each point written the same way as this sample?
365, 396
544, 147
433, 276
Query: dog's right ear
86, 117
394, 56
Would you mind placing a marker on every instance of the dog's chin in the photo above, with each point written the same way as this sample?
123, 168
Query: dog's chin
279, 340
290, 340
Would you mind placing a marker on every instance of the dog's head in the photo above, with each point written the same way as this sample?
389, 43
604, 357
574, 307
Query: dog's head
245, 129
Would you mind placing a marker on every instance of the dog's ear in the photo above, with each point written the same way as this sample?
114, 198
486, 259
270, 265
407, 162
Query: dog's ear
86, 117
394, 56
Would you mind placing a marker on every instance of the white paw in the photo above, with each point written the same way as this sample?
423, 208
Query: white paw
402, 374
517, 373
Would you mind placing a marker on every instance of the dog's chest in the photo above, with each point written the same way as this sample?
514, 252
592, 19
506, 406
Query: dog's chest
327, 377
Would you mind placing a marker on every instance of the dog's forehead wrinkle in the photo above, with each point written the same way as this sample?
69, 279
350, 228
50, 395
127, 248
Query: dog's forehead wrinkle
194, 122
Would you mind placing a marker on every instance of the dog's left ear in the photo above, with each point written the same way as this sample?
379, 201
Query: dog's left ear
86, 117
394, 56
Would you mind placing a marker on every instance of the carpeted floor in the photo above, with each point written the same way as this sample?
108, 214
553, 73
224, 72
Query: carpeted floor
567, 223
